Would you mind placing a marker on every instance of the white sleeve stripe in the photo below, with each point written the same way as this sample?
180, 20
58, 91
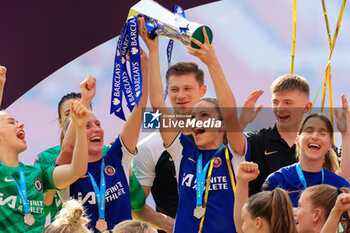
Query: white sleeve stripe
236, 159
177, 136
126, 159
123, 146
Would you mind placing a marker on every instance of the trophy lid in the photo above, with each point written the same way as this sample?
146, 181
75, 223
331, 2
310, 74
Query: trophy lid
198, 35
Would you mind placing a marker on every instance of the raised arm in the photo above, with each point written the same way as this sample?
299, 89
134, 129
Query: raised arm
131, 129
155, 81
247, 171
343, 125
88, 90
66, 174
249, 112
226, 100
341, 205
2, 81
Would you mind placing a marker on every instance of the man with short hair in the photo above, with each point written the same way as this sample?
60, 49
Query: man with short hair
274, 147
186, 86
154, 166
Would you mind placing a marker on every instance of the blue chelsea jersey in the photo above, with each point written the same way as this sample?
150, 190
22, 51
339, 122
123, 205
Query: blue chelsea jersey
219, 210
117, 163
287, 178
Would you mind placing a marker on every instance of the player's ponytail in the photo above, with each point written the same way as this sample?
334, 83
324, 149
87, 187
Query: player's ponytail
71, 218
275, 207
281, 203
325, 196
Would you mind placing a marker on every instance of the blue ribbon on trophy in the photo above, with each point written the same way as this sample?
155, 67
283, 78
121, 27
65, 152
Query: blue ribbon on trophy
117, 85
182, 23
169, 51
135, 61
122, 83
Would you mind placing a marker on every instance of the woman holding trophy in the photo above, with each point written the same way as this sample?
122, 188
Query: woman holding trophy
206, 193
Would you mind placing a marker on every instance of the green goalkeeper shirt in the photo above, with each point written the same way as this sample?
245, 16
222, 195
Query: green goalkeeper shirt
38, 179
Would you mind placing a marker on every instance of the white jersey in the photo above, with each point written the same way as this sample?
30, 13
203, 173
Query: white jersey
149, 152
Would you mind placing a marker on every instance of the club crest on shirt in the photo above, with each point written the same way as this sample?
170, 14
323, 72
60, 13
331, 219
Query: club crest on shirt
38, 184
266, 185
217, 162
109, 170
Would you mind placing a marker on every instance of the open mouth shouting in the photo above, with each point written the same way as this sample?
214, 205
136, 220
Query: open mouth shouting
199, 131
21, 135
283, 117
95, 139
314, 146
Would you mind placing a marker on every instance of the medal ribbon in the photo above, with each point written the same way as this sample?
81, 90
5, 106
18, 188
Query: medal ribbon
301, 175
230, 170
201, 173
208, 183
100, 193
128, 42
22, 190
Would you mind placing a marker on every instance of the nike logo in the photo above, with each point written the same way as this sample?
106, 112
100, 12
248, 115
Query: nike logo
295, 191
270, 153
8, 180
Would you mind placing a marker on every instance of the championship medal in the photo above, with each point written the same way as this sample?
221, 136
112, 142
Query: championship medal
198, 212
22, 190
101, 225
29, 219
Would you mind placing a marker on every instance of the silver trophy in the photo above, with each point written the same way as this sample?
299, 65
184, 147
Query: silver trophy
162, 22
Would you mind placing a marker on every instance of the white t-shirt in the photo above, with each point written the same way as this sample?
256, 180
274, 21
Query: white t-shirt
149, 151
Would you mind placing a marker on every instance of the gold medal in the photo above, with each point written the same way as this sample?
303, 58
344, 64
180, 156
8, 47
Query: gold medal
29, 219
101, 225
198, 212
